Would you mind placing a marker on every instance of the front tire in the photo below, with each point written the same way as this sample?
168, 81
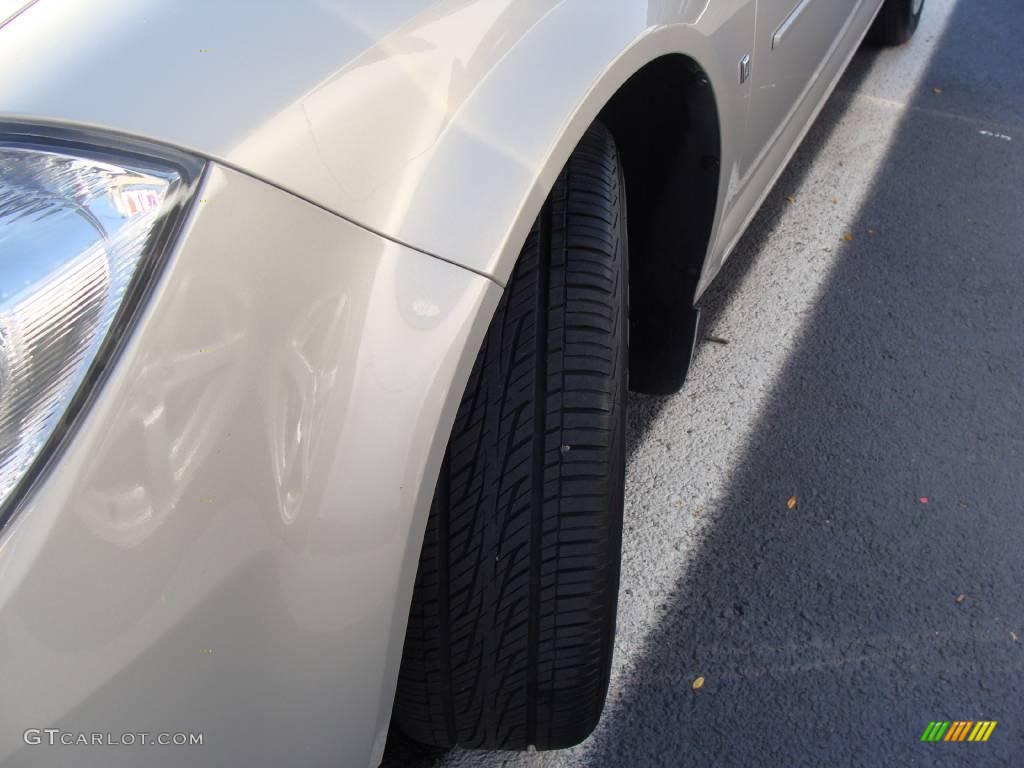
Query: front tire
510, 634
896, 22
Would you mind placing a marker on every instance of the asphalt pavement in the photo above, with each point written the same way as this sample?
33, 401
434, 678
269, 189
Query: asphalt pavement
826, 523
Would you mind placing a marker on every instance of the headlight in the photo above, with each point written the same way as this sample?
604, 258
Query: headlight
80, 231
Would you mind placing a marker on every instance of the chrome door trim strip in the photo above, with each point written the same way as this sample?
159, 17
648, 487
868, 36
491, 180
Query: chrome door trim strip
788, 22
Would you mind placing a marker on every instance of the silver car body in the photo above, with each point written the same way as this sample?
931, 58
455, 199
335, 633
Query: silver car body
227, 541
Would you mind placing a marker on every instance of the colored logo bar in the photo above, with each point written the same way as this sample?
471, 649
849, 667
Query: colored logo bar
958, 730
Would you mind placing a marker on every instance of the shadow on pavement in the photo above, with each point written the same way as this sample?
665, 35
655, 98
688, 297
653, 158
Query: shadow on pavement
832, 634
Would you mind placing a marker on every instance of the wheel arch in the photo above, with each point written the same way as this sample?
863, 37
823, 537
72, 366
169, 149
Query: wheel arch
666, 118
666, 125
675, 122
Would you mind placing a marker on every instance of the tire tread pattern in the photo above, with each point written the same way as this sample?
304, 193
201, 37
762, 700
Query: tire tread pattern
510, 633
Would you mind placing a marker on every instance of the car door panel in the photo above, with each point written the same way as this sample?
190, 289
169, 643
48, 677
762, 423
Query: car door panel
789, 88
794, 41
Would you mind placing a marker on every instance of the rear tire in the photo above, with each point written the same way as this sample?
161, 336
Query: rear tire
896, 22
510, 634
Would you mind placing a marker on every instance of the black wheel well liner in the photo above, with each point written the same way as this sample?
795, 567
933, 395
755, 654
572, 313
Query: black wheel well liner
666, 126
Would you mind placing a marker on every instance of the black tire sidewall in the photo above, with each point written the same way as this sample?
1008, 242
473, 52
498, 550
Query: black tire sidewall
540, 436
896, 23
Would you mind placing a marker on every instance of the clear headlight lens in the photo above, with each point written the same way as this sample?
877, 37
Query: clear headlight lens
74, 232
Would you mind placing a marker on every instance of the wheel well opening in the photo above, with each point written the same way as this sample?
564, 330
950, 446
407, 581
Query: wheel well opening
665, 123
